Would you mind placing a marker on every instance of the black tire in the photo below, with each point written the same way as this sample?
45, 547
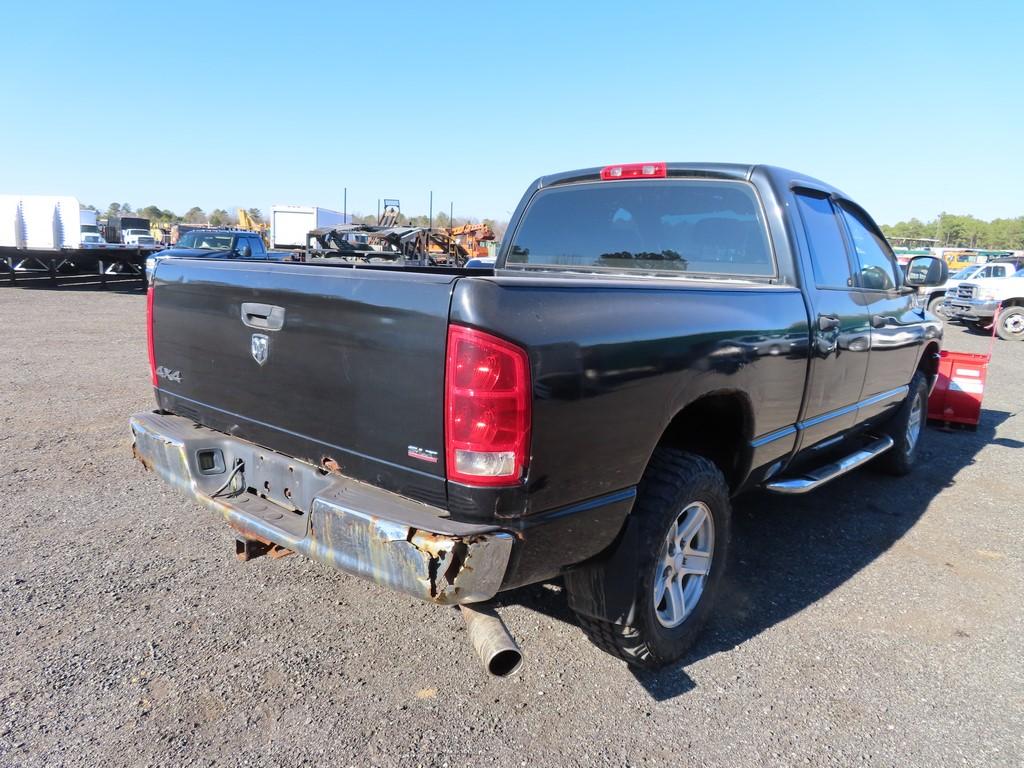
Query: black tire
899, 460
673, 482
935, 306
1010, 326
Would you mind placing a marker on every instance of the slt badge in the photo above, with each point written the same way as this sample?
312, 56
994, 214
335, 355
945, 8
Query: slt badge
260, 348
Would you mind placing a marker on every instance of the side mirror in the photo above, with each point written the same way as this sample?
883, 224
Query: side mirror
246, 252
926, 271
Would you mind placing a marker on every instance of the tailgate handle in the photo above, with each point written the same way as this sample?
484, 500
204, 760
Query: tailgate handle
266, 317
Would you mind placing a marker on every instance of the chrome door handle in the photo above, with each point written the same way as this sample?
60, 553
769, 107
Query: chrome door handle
880, 321
828, 322
265, 317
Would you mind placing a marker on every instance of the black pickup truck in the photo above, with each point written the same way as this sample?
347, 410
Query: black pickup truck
653, 340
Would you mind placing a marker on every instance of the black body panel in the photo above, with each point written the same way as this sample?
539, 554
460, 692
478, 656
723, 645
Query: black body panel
614, 360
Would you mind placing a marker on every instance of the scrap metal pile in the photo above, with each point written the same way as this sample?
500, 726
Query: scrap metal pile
405, 245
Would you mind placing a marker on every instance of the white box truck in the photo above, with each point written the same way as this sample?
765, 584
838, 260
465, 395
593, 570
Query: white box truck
289, 224
90, 226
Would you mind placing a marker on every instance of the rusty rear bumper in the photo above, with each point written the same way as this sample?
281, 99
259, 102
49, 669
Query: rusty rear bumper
348, 525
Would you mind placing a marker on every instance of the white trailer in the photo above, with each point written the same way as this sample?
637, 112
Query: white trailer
289, 224
51, 234
40, 222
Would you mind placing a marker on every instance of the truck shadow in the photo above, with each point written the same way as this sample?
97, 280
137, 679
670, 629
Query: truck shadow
789, 552
112, 283
97, 272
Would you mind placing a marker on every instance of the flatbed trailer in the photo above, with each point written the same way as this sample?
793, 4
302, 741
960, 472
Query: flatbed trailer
41, 236
101, 260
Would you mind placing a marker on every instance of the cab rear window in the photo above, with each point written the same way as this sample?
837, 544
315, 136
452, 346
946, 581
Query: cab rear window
675, 226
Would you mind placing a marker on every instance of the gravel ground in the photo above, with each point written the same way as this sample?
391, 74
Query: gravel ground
876, 622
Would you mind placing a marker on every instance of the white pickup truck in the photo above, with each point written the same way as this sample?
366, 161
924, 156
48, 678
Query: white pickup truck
940, 297
141, 237
976, 302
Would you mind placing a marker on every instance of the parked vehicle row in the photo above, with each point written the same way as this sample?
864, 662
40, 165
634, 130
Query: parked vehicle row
977, 302
653, 340
938, 296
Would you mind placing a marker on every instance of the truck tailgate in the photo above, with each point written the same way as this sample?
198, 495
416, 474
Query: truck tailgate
339, 367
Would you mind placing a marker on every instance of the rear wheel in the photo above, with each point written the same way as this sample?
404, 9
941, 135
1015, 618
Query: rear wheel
906, 429
1010, 325
684, 517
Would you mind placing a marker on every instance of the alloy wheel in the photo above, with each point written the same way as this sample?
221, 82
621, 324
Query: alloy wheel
914, 423
684, 564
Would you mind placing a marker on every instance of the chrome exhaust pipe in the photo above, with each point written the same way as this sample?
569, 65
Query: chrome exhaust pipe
491, 640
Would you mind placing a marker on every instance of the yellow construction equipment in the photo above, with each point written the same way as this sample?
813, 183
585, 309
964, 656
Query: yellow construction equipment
472, 237
245, 221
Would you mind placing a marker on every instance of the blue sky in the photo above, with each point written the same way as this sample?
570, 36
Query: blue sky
912, 108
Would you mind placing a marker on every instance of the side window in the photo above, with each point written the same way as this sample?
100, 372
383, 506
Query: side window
825, 240
257, 247
242, 243
877, 267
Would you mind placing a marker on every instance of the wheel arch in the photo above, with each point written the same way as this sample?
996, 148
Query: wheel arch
929, 363
719, 426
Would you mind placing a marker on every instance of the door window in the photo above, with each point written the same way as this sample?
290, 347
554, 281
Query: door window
877, 265
825, 241
256, 244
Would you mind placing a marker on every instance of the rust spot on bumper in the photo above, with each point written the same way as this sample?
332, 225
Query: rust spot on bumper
351, 526
141, 458
249, 548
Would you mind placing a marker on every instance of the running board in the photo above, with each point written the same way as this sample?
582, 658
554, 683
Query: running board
818, 477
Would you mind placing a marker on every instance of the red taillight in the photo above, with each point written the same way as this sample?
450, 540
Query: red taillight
634, 171
487, 408
149, 334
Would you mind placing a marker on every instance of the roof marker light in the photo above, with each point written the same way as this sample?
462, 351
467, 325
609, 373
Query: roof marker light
634, 171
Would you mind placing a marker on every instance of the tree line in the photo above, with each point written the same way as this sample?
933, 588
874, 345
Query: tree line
441, 221
162, 217
219, 217
952, 230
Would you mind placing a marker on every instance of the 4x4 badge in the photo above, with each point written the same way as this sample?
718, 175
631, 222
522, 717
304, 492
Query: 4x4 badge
260, 348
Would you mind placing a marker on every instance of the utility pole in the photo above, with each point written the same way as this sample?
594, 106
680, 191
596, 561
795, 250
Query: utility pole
426, 244
344, 207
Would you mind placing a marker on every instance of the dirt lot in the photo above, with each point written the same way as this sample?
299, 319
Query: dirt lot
875, 622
